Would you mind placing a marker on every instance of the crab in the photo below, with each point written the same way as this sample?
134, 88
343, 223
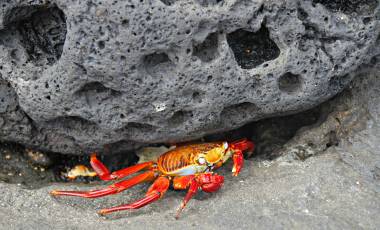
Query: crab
187, 167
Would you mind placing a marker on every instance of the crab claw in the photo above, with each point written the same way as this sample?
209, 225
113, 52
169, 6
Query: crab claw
238, 147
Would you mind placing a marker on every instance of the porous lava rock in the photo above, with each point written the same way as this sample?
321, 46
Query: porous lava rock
79, 76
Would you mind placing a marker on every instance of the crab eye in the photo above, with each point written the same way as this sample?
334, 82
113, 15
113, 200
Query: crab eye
225, 145
201, 160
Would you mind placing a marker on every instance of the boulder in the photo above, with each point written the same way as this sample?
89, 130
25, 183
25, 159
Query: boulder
108, 76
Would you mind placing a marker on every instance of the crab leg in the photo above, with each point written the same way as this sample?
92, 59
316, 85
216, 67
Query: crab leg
193, 188
104, 173
238, 160
208, 182
156, 191
112, 189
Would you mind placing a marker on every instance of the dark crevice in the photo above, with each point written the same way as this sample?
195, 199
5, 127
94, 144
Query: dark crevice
97, 88
337, 83
154, 61
34, 169
42, 29
333, 140
252, 48
270, 134
209, 2
168, 2
207, 50
17, 14
349, 6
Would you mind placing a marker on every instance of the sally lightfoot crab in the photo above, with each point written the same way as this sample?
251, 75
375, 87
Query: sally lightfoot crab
187, 167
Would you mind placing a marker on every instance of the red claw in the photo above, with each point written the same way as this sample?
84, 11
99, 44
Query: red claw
208, 182
238, 147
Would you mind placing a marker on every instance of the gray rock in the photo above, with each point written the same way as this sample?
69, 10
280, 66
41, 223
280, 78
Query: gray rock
79, 76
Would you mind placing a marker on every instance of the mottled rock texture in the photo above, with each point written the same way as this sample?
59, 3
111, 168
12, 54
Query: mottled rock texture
105, 75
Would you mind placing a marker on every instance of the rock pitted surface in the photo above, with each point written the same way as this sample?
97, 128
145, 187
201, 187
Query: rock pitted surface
78, 76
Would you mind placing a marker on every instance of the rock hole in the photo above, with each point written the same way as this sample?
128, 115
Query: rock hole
125, 22
15, 55
207, 50
301, 14
197, 97
43, 32
289, 83
101, 44
337, 83
366, 20
97, 88
208, 2
332, 139
349, 6
153, 62
168, 2
252, 48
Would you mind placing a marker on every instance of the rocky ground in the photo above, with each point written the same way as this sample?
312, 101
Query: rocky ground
334, 185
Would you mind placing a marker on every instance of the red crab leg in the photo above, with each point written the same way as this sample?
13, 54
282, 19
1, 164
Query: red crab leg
193, 188
112, 189
104, 173
156, 191
238, 160
238, 147
208, 182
